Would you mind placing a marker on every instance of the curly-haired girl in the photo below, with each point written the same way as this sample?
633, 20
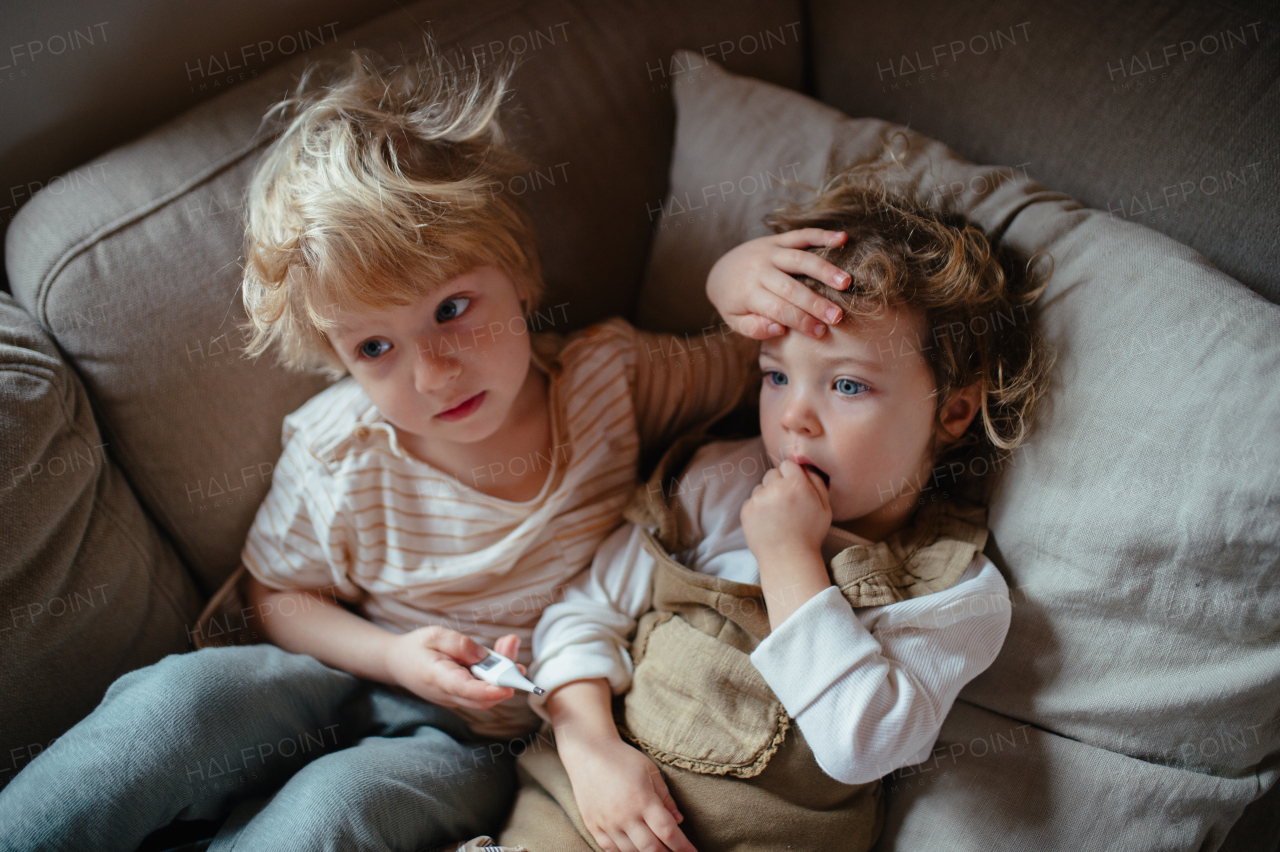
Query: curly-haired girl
810, 601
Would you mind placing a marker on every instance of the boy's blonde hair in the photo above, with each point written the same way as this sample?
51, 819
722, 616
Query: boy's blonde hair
379, 189
976, 300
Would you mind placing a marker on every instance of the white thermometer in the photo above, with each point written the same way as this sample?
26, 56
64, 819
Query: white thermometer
499, 671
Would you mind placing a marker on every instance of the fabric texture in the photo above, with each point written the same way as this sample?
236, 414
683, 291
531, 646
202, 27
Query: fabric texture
302, 756
1164, 114
1137, 528
90, 589
136, 275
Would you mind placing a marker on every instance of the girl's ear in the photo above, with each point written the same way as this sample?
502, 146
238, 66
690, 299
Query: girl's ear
959, 411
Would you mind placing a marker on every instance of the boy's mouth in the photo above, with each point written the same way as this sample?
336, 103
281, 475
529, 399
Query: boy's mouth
462, 409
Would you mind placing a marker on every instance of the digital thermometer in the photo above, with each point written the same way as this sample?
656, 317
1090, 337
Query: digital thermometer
499, 671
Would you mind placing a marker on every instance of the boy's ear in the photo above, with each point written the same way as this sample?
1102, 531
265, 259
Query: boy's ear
958, 412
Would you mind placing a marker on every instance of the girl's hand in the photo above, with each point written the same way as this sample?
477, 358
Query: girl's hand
785, 521
752, 289
623, 799
432, 662
789, 512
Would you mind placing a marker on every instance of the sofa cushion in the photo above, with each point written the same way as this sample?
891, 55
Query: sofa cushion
90, 588
147, 242
1162, 113
1137, 529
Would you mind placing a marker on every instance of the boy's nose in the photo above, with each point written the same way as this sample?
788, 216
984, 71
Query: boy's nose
433, 369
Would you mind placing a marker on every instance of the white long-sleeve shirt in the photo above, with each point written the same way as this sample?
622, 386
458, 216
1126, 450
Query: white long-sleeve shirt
869, 688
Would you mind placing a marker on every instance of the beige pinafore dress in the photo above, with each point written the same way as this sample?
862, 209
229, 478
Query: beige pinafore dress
739, 770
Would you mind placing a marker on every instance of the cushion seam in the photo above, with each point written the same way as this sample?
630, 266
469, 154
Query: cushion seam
137, 215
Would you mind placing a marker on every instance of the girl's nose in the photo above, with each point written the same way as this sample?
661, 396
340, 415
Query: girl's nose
798, 416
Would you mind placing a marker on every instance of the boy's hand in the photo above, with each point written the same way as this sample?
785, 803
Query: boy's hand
752, 289
432, 662
623, 799
788, 513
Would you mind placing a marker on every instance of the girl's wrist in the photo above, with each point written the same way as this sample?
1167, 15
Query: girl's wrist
790, 582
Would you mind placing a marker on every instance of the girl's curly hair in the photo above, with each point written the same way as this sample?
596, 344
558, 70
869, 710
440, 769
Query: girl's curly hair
977, 301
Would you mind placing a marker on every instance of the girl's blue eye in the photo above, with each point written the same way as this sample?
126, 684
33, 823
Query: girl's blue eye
452, 308
849, 387
374, 348
775, 378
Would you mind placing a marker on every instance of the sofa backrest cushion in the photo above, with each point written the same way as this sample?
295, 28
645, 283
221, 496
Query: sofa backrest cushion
1164, 114
134, 268
1138, 528
91, 589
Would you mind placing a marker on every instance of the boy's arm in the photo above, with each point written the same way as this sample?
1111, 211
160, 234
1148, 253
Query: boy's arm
296, 558
430, 662
683, 381
752, 288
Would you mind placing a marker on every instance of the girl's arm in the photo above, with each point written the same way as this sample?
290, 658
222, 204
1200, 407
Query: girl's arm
581, 658
620, 792
585, 636
869, 702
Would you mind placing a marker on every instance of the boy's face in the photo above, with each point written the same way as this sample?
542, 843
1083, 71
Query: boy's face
857, 405
446, 367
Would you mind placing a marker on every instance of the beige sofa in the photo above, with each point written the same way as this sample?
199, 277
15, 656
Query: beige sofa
1136, 704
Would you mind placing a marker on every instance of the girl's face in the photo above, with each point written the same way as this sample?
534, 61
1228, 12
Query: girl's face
858, 407
447, 367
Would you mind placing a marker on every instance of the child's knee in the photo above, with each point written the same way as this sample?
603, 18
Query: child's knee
189, 685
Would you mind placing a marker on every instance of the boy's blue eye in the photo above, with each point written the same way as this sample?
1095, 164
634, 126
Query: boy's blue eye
374, 348
775, 378
849, 387
452, 308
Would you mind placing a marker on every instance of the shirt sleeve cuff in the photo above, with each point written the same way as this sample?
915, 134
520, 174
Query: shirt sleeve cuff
824, 634
588, 661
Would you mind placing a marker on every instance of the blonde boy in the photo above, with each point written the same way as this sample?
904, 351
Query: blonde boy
430, 503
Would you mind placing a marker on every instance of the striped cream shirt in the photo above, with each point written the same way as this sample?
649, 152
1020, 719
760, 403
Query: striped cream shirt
351, 512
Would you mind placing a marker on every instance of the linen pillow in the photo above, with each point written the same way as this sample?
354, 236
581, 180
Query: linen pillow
147, 238
1133, 704
90, 589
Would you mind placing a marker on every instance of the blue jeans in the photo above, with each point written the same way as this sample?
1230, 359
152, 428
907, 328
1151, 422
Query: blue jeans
299, 755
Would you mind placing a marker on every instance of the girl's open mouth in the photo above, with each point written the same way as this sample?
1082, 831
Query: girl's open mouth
826, 480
